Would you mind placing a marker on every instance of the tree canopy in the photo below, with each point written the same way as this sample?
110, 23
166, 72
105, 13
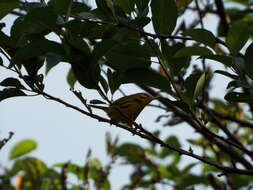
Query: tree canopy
156, 46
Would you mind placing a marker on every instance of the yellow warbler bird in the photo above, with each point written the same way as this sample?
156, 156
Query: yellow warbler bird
126, 109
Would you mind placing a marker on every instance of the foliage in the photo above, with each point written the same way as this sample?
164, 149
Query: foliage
108, 46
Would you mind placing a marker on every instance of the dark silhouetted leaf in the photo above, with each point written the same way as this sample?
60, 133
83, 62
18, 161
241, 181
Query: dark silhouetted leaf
12, 82
10, 92
6, 6
125, 57
174, 64
190, 51
225, 60
237, 36
238, 97
203, 36
248, 60
52, 60
126, 5
164, 16
38, 48
145, 77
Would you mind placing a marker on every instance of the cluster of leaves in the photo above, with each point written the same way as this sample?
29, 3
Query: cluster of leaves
108, 46
152, 167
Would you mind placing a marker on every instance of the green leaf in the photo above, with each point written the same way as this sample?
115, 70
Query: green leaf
145, 77
248, 60
30, 166
238, 97
71, 79
6, 6
237, 36
87, 74
4, 40
191, 51
190, 85
164, 16
226, 60
126, 5
189, 180
199, 86
175, 64
63, 6
173, 140
52, 60
10, 92
142, 7
38, 48
21, 148
201, 35
43, 17
12, 82
106, 185
131, 152
130, 56
103, 10
113, 80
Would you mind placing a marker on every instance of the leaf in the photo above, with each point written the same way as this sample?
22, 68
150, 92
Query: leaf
126, 5
12, 82
190, 85
21, 148
199, 86
237, 36
113, 80
248, 60
145, 77
38, 48
130, 56
203, 36
52, 60
4, 40
103, 9
30, 166
142, 7
164, 16
190, 51
87, 74
225, 60
131, 152
238, 97
43, 17
173, 141
10, 92
63, 6
6, 6
175, 64
71, 79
